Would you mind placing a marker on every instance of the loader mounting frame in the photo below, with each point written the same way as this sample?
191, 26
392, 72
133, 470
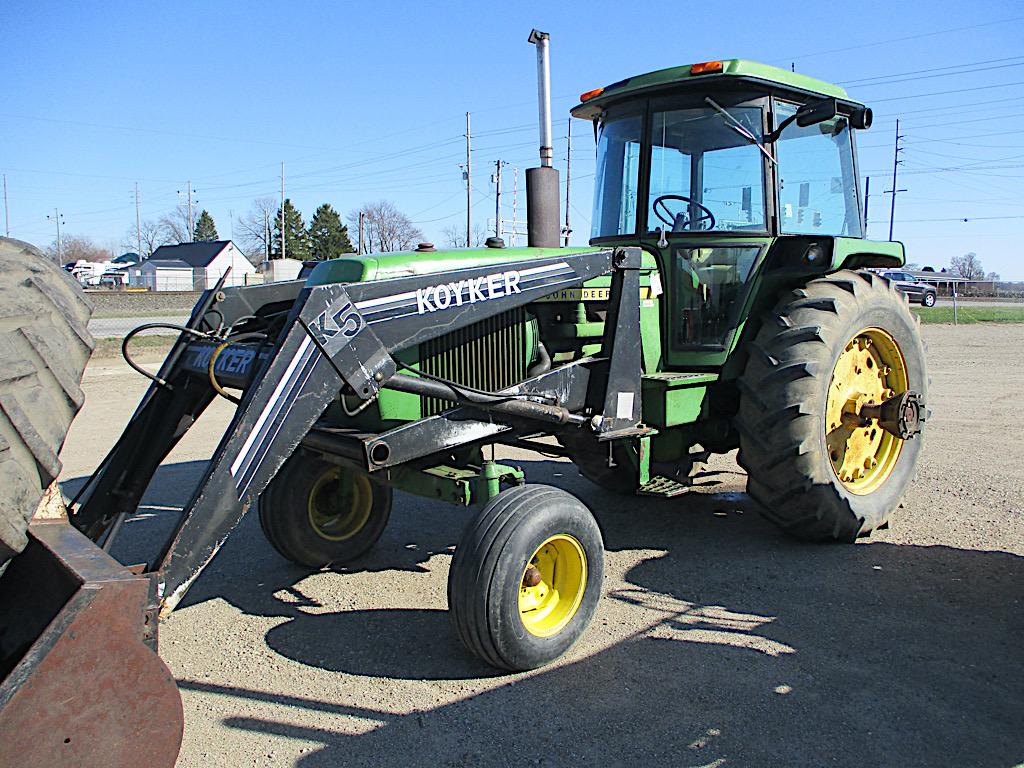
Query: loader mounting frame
340, 339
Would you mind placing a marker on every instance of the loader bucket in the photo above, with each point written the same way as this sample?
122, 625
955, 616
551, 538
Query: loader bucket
80, 686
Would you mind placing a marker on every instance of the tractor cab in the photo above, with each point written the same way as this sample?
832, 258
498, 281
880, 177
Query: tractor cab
710, 168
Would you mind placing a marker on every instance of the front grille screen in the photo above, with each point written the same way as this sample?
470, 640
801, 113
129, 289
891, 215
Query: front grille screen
488, 355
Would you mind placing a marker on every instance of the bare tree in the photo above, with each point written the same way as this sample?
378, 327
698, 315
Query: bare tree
177, 227
455, 236
387, 228
969, 266
255, 229
992, 277
151, 238
77, 248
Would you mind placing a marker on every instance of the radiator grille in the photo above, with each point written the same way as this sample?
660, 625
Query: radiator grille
489, 355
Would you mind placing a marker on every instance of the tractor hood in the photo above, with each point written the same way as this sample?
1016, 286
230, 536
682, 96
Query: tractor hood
384, 266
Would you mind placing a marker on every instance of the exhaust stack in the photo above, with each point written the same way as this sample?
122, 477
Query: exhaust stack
542, 198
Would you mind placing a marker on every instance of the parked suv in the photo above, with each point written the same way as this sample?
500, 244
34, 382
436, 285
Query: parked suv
915, 290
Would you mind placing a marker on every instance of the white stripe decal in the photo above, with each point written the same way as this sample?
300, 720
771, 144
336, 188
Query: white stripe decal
386, 300
539, 270
247, 445
268, 441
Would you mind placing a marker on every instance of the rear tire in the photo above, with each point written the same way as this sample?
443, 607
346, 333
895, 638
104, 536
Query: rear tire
316, 513
813, 476
44, 347
526, 577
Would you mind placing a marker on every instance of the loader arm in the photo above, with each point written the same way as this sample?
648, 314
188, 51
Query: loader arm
342, 337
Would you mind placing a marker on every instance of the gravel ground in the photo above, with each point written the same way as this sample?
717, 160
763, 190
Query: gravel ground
719, 641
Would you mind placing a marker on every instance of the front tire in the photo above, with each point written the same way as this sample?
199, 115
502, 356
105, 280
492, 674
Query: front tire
316, 513
835, 345
928, 300
526, 577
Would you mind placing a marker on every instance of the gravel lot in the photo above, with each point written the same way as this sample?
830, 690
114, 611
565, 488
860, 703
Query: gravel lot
719, 640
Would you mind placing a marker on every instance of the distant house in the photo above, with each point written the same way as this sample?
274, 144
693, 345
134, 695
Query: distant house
206, 261
162, 275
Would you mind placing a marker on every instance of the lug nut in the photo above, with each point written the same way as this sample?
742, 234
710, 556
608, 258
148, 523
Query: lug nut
532, 577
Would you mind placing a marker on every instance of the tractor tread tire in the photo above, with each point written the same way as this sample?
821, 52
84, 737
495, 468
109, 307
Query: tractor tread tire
44, 347
781, 415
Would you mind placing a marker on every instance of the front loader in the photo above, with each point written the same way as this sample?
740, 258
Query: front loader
724, 302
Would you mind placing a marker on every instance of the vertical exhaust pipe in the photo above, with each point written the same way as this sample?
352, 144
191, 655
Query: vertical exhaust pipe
542, 198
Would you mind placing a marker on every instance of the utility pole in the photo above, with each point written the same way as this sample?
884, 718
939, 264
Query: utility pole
515, 204
568, 180
7, 218
266, 238
895, 164
469, 187
138, 222
362, 219
57, 219
189, 225
282, 209
498, 165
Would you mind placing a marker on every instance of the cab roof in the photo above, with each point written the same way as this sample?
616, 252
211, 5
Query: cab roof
593, 102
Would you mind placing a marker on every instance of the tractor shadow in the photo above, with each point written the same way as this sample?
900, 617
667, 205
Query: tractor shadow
741, 646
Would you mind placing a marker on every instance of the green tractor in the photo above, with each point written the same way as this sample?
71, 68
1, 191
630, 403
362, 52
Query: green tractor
761, 327
725, 301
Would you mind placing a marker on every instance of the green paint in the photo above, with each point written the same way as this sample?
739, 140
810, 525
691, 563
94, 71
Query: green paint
763, 75
674, 399
854, 252
386, 266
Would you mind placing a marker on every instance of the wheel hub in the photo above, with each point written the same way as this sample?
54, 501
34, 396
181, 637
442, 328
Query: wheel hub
869, 378
340, 503
552, 585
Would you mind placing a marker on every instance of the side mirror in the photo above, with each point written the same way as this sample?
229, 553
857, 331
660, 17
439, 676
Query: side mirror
860, 119
816, 112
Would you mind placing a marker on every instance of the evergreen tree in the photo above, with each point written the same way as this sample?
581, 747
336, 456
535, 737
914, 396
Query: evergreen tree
206, 230
328, 236
296, 238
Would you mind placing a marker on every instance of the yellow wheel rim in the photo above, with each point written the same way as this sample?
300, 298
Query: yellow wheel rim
552, 586
870, 370
340, 503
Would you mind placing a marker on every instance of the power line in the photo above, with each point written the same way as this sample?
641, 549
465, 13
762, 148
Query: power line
903, 39
946, 93
934, 72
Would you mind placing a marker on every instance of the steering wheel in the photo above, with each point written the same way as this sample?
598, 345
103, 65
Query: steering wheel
669, 219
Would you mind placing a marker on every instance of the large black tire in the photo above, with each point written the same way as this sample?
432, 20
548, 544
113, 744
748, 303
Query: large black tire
44, 346
928, 299
787, 446
316, 513
500, 617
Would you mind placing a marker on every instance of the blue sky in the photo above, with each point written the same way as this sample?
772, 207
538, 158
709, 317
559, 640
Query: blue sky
364, 101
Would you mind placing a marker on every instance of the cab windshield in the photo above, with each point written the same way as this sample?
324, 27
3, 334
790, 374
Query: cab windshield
706, 172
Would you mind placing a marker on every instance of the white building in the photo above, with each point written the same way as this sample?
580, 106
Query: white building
207, 262
162, 275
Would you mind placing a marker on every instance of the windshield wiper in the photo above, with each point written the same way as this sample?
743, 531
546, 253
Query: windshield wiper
737, 126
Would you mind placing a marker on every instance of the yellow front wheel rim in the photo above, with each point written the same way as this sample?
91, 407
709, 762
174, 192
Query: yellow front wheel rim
870, 370
552, 586
340, 503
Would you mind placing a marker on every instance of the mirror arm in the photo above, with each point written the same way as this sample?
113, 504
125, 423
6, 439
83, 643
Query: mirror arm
772, 137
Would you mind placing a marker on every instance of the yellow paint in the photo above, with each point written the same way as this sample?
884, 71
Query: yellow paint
870, 370
589, 294
548, 607
340, 503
